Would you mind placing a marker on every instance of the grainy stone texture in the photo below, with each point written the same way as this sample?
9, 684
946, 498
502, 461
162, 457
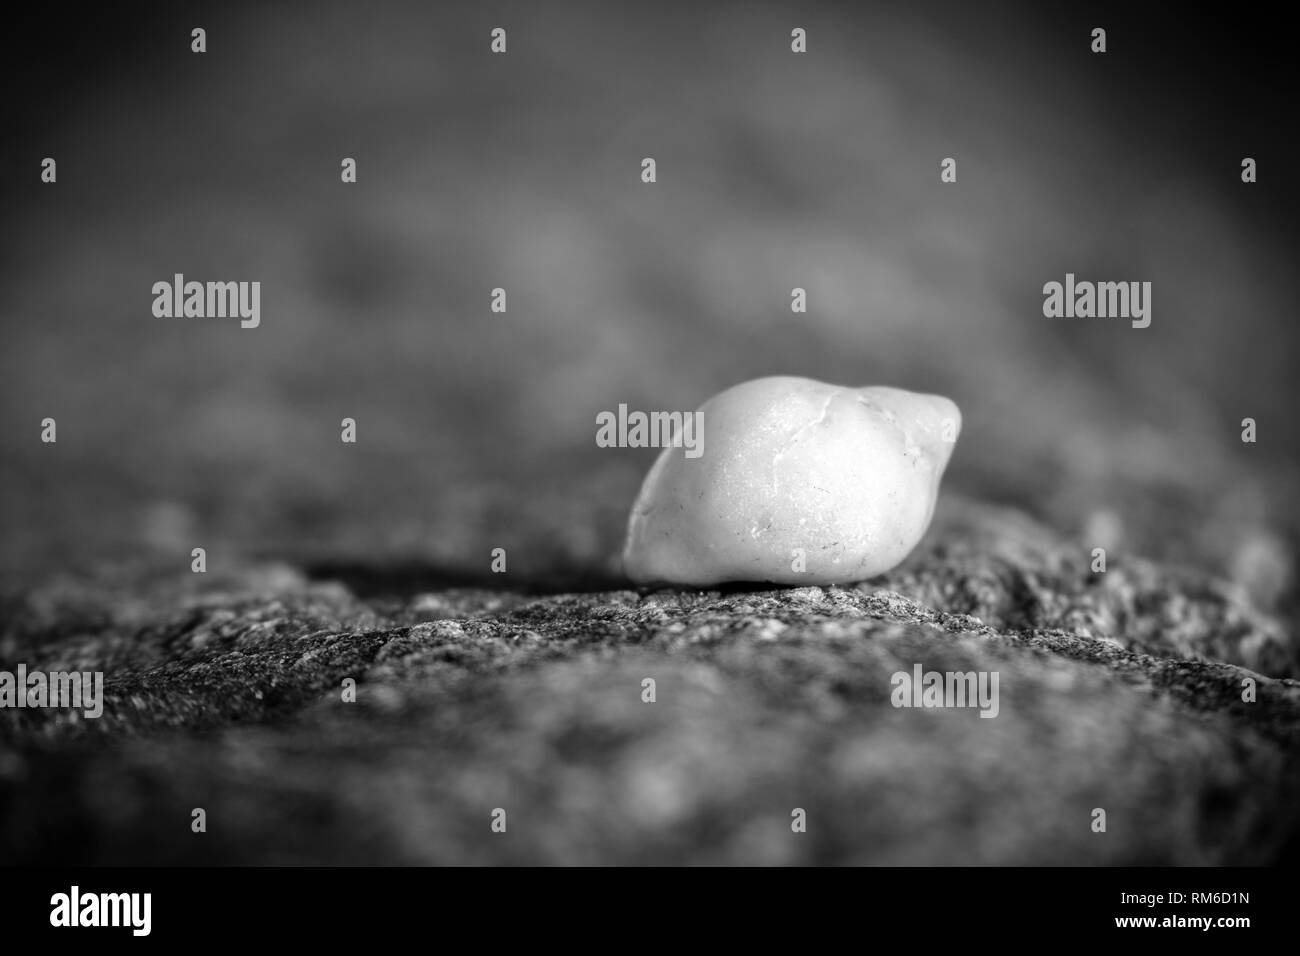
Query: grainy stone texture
224, 693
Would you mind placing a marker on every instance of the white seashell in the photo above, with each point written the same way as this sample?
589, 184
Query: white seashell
799, 483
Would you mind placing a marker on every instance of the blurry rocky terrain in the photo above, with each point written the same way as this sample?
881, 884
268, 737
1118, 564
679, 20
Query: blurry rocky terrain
522, 690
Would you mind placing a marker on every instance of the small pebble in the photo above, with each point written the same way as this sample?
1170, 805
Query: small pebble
799, 483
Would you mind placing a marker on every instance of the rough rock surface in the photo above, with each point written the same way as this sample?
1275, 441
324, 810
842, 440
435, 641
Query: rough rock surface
224, 692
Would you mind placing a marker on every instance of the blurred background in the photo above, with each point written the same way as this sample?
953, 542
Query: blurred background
775, 170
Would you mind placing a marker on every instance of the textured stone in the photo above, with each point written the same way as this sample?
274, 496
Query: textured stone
223, 691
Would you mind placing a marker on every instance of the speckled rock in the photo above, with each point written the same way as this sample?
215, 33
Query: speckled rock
799, 482
223, 691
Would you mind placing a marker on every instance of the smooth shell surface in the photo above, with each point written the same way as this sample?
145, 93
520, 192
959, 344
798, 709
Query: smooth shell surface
799, 483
